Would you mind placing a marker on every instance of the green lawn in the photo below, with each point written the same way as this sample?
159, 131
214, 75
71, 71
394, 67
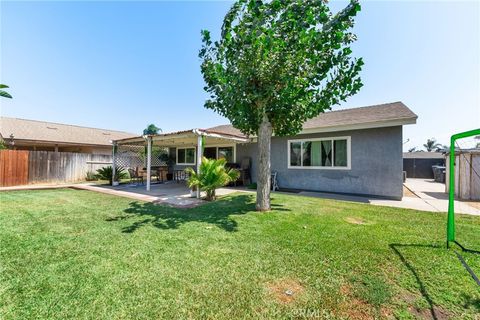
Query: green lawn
77, 254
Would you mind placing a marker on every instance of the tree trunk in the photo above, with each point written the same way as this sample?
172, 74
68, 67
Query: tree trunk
263, 175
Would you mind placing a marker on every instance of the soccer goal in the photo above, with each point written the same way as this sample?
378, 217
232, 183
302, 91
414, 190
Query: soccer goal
451, 188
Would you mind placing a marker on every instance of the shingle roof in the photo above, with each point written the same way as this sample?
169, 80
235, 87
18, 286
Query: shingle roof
363, 116
23, 129
226, 129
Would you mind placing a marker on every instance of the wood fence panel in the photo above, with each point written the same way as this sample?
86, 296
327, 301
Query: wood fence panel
475, 174
18, 167
13, 168
64, 167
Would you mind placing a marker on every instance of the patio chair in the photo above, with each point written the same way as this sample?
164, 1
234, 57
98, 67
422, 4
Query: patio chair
143, 173
245, 171
134, 176
274, 182
180, 175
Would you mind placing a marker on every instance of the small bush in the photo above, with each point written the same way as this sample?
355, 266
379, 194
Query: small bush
213, 174
91, 176
105, 173
252, 186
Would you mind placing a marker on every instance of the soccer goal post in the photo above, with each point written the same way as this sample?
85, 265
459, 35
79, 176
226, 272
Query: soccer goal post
451, 191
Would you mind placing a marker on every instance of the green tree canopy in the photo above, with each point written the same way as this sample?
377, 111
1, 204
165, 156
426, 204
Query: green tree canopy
290, 59
277, 64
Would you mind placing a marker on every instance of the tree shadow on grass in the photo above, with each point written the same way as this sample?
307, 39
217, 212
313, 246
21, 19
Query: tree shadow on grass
470, 302
218, 213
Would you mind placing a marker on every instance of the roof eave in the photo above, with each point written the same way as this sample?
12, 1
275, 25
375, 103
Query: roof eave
60, 143
358, 126
185, 134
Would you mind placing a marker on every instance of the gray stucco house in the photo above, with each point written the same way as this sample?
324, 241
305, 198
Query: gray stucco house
353, 151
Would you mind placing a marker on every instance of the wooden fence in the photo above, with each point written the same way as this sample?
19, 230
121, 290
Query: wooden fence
467, 179
30, 167
13, 168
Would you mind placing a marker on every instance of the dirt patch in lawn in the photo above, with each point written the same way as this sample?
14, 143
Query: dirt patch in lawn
357, 309
437, 313
354, 220
285, 291
422, 313
353, 308
407, 298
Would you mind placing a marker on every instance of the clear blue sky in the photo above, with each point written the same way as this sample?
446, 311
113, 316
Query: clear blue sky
123, 65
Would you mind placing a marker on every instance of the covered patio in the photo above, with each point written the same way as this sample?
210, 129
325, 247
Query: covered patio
161, 159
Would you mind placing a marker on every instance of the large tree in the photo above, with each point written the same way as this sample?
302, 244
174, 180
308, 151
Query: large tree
277, 64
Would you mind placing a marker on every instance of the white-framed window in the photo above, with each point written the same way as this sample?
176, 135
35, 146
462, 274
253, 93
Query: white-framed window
218, 152
320, 153
186, 156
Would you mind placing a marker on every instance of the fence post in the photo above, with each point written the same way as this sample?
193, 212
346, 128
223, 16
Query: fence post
149, 160
114, 147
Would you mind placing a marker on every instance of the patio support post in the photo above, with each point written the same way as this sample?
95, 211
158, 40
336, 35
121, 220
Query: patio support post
114, 149
149, 160
199, 158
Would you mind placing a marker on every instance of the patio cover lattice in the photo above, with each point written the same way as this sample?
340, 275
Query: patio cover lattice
137, 151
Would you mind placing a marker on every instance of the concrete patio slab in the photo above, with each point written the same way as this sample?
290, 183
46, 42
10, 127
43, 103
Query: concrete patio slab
171, 193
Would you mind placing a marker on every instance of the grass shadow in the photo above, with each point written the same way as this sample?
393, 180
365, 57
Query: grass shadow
218, 213
471, 302
423, 290
466, 249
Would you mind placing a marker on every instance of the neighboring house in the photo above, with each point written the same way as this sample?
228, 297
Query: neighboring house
354, 151
22, 134
419, 164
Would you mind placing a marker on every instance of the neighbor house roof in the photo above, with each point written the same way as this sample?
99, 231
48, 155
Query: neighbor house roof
50, 132
382, 115
423, 155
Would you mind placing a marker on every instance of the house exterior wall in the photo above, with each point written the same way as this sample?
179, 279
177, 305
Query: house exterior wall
376, 164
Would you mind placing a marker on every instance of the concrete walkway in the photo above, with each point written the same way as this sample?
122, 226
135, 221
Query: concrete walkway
433, 193
429, 196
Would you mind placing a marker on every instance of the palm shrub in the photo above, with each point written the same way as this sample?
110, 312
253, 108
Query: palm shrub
105, 173
212, 175
91, 176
